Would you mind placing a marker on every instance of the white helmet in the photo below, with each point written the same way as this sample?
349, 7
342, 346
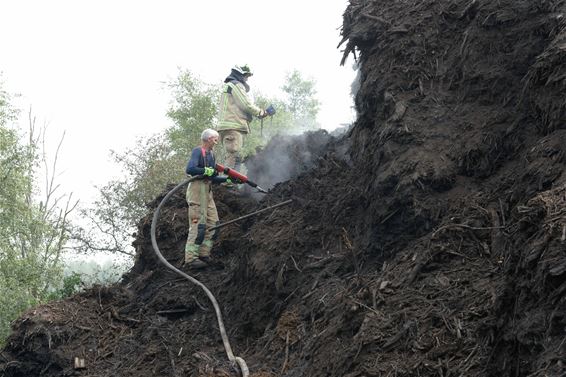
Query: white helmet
243, 69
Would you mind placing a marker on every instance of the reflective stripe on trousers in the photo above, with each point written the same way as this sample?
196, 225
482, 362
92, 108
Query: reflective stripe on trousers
203, 214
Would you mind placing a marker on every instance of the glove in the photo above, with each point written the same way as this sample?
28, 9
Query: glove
209, 172
233, 180
262, 114
270, 110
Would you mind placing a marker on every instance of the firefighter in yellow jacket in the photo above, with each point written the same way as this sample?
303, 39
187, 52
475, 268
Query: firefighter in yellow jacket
235, 114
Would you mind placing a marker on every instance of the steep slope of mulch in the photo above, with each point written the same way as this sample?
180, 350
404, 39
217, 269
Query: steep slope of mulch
428, 241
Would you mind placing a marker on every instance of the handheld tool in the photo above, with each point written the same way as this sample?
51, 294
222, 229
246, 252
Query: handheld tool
239, 176
270, 111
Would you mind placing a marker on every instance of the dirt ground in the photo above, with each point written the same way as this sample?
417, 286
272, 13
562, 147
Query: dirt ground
429, 240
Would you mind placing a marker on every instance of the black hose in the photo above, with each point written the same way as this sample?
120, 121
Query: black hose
234, 360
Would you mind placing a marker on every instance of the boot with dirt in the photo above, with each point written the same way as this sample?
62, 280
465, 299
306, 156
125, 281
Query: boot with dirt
196, 264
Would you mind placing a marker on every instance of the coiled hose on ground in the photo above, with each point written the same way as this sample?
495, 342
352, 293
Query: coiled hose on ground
233, 359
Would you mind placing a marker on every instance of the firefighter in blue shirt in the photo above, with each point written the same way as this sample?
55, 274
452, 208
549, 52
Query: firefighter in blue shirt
202, 209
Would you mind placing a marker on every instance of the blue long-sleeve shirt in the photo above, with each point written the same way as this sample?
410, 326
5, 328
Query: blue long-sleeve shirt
201, 158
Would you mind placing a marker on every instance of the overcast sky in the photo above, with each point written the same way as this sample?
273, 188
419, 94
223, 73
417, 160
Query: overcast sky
95, 69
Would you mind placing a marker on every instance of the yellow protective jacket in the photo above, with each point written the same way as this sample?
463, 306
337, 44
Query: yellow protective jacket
236, 110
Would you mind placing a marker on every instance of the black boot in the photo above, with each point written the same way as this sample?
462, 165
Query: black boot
197, 264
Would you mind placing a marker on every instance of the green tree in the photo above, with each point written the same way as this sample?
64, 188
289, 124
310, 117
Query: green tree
301, 100
33, 232
94, 271
192, 109
296, 112
146, 169
70, 285
263, 130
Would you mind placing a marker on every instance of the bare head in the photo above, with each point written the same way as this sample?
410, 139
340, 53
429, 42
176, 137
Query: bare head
209, 138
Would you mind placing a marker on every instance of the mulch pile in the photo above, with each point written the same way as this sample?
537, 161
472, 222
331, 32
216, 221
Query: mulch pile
430, 240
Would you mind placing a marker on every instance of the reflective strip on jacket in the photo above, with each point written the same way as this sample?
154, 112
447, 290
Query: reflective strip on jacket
236, 108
